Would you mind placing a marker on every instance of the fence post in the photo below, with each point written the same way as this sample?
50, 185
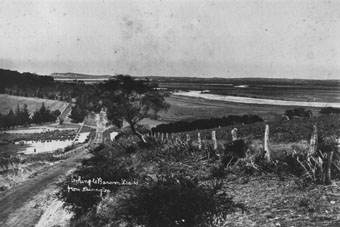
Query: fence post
188, 137
199, 141
313, 142
328, 179
167, 136
266, 144
234, 134
213, 137
162, 138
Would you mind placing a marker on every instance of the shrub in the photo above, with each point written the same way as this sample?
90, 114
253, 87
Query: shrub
97, 149
102, 165
298, 112
172, 201
234, 150
329, 110
68, 148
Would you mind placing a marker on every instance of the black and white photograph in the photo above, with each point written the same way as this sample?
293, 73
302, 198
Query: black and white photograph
169, 113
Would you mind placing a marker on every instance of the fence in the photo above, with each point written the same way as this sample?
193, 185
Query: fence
73, 151
234, 136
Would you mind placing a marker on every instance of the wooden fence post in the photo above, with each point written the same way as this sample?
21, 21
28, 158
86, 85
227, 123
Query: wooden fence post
313, 142
213, 137
234, 134
266, 144
328, 178
187, 137
199, 141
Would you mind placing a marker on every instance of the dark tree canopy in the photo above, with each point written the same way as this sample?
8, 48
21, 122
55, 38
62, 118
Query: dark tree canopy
77, 114
329, 110
199, 124
129, 99
21, 116
298, 112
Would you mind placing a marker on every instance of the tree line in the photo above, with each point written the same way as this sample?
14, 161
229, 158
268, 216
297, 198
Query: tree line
125, 98
302, 112
33, 85
183, 126
21, 116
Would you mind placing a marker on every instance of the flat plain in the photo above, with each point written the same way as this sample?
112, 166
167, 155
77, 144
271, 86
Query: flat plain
280, 89
189, 108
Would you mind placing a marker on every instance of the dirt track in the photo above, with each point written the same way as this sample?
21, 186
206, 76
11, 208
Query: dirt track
12, 200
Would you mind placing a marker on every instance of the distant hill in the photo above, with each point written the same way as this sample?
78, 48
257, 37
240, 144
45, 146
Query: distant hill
78, 76
277, 81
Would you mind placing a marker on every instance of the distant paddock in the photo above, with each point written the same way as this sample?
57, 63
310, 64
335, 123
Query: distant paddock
8, 102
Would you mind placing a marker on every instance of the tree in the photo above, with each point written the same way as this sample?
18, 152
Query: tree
25, 115
44, 115
77, 114
55, 114
22, 115
36, 118
10, 119
18, 120
131, 100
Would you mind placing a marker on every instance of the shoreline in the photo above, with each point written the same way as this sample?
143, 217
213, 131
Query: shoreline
248, 100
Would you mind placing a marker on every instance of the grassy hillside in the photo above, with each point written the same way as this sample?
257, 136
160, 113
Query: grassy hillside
181, 185
8, 102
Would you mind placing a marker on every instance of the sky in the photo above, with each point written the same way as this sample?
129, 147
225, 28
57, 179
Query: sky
201, 38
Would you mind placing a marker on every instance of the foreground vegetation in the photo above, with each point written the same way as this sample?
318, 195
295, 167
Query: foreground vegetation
175, 183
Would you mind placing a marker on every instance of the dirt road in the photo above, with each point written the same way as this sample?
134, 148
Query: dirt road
12, 201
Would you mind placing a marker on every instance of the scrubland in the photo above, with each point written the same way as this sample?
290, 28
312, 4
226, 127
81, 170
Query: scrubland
182, 185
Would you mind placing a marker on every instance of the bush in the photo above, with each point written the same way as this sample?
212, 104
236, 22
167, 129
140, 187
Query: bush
102, 165
234, 150
298, 112
171, 201
329, 110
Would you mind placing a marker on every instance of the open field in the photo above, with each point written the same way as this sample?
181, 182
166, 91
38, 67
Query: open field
8, 102
189, 108
242, 93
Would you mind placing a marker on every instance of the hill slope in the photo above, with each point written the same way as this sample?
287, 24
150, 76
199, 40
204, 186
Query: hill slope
8, 102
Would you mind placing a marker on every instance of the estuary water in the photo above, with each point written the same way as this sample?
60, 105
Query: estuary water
248, 100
